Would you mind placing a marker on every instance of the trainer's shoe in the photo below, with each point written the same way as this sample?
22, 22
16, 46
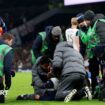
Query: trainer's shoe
70, 95
88, 93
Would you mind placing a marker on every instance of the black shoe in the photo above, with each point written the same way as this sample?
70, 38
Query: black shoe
2, 99
22, 97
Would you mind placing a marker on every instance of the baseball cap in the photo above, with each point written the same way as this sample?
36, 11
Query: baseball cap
80, 17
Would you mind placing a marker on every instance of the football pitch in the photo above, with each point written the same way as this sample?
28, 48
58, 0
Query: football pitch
21, 85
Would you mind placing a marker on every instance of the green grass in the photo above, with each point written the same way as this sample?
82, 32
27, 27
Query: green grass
21, 85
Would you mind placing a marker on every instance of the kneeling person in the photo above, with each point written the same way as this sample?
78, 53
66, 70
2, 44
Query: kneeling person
68, 65
43, 82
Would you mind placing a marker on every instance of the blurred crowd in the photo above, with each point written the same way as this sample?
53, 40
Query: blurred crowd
14, 17
22, 60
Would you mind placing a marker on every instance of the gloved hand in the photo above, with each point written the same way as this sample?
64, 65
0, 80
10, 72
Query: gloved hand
32, 84
12, 73
7, 82
7, 86
89, 77
89, 74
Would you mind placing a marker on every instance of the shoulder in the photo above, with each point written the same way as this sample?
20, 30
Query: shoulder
98, 16
64, 44
68, 30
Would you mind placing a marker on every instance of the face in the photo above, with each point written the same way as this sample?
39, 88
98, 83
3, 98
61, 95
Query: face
46, 67
88, 23
82, 24
9, 42
55, 38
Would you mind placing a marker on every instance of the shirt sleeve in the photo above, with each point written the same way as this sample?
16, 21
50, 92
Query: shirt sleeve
37, 46
7, 67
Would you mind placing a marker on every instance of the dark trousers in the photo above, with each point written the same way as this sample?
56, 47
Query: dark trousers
2, 98
99, 52
68, 83
47, 96
94, 69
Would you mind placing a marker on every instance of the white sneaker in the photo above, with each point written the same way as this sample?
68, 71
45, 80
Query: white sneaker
70, 95
88, 93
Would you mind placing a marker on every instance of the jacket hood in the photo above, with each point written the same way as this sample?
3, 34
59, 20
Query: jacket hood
98, 16
65, 44
48, 29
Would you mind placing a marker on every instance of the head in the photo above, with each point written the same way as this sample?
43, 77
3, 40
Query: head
81, 22
80, 17
56, 34
88, 17
74, 21
8, 38
45, 63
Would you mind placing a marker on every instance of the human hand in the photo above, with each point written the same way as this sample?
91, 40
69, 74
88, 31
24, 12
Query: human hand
12, 73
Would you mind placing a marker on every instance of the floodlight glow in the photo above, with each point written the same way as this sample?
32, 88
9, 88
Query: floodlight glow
75, 2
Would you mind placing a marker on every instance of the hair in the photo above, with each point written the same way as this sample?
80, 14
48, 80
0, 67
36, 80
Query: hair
45, 60
89, 15
7, 36
74, 21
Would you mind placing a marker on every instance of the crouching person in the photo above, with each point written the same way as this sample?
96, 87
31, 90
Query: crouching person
68, 66
43, 82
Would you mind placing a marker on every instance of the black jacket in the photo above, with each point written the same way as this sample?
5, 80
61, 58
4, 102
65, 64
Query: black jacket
100, 27
7, 66
37, 45
67, 60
